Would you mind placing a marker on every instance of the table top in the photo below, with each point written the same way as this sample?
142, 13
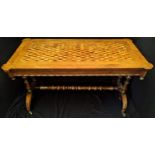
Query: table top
77, 53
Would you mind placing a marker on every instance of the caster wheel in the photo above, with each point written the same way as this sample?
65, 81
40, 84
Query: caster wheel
123, 114
30, 112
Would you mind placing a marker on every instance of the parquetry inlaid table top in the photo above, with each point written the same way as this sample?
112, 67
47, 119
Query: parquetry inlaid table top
41, 57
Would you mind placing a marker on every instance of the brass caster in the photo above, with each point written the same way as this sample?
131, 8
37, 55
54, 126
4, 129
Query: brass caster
141, 78
30, 112
123, 114
13, 78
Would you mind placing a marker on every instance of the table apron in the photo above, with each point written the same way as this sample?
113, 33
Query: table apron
77, 72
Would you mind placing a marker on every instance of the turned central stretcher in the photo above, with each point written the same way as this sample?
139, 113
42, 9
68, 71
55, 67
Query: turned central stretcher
77, 57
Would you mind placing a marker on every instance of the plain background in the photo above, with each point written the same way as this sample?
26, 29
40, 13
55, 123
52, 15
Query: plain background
142, 91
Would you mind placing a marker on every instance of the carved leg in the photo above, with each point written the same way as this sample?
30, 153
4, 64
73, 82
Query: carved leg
28, 95
122, 87
28, 101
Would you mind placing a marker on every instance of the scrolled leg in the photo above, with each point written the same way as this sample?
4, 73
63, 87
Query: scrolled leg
28, 101
28, 95
122, 87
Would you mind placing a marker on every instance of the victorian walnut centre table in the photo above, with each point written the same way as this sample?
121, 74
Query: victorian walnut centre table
118, 58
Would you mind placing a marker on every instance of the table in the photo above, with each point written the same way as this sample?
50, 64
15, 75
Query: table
77, 57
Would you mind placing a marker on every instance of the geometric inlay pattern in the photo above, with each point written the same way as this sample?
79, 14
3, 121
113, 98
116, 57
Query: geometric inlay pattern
78, 51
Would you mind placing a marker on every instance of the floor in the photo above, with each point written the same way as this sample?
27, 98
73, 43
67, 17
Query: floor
71, 104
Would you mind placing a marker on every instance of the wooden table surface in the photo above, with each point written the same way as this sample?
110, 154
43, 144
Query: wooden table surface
49, 56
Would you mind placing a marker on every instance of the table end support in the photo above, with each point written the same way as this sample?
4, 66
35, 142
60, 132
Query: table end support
28, 95
122, 88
